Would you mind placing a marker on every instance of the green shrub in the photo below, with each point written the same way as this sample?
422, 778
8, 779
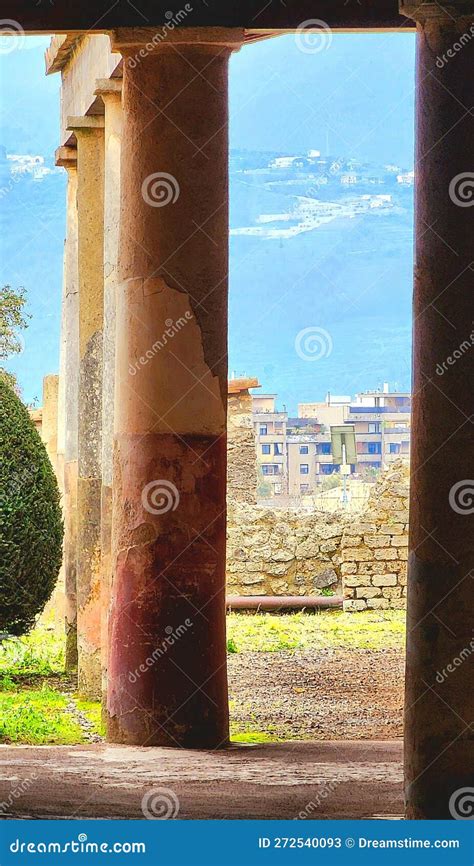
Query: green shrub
31, 528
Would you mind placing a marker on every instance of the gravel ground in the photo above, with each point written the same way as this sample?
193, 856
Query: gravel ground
319, 694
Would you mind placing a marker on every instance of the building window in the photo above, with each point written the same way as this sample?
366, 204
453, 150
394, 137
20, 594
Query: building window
277, 448
270, 469
375, 427
265, 449
394, 448
304, 469
324, 448
277, 488
304, 449
263, 429
374, 448
328, 468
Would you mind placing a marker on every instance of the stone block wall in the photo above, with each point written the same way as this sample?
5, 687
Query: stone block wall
277, 552
360, 556
374, 550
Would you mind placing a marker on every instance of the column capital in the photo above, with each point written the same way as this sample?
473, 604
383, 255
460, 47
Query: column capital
66, 157
427, 10
84, 123
108, 86
147, 39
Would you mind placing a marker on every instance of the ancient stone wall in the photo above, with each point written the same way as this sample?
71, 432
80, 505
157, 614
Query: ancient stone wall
279, 552
290, 552
374, 551
241, 454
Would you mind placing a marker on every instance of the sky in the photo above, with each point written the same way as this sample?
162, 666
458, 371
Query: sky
350, 96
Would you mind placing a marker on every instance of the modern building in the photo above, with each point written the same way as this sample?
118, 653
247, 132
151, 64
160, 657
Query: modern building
295, 454
270, 438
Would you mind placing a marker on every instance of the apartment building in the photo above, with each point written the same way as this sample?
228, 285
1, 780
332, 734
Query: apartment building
295, 454
270, 438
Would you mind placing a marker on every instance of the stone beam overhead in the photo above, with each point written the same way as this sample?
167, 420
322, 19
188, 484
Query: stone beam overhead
102, 15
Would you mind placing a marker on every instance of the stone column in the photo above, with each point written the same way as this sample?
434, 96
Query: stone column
241, 450
167, 655
89, 132
110, 90
49, 421
68, 401
439, 731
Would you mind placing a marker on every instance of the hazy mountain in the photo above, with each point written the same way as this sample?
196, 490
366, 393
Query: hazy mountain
317, 242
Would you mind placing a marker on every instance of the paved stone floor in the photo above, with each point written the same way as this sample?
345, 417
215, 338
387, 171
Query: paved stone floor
343, 779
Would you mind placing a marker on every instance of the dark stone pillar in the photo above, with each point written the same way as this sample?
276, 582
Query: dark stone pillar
439, 733
167, 681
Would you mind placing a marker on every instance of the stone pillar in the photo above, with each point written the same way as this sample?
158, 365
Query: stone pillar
167, 656
439, 732
241, 450
89, 132
49, 422
111, 92
68, 402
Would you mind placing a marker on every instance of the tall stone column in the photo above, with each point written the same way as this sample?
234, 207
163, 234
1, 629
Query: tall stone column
68, 401
89, 132
439, 730
110, 90
167, 656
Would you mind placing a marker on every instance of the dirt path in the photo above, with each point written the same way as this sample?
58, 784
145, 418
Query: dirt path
318, 694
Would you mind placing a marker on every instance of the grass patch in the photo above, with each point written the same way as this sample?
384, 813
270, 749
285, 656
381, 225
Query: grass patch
249, 735
265, 632
40, 654
36, 717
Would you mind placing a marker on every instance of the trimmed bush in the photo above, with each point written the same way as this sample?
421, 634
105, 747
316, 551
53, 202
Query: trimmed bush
31, 529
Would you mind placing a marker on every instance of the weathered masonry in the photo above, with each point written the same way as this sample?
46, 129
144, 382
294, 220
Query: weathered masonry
148, 524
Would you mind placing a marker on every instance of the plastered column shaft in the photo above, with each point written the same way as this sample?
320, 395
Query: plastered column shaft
439, 732
170, 419
112, 146
68, 404
90, 198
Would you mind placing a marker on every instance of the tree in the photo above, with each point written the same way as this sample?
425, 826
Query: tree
31, 529
12, 320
